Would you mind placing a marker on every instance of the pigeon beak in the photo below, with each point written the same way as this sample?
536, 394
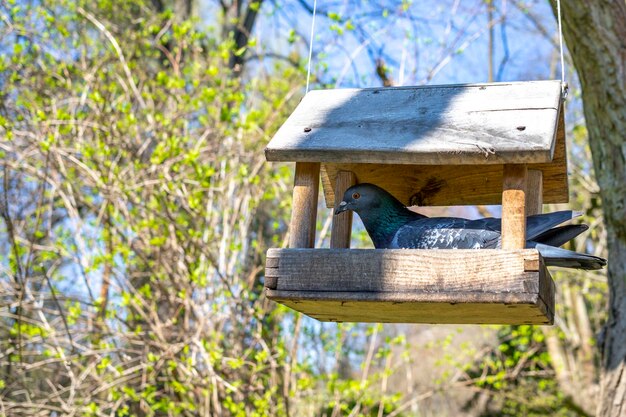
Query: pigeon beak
343, 206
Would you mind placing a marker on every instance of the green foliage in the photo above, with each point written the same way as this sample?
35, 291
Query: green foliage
518, 375
136, 170
139, 211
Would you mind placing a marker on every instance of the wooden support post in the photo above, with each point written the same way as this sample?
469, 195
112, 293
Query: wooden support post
342, 223
534, 192
304, 206
514, 207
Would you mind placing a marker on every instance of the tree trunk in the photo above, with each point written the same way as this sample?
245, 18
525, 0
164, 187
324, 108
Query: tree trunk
242, 33
595, 32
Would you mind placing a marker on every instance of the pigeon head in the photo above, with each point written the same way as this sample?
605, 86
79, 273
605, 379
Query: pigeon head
382, 214
365, 198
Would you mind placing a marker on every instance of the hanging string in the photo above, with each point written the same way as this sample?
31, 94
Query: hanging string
308, 71
563, 83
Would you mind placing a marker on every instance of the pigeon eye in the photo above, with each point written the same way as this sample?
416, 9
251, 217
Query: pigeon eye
356, 196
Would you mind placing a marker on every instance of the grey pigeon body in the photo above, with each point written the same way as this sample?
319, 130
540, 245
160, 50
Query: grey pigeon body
392, 226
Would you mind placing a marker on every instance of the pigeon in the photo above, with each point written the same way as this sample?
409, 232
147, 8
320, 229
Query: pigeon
391, 225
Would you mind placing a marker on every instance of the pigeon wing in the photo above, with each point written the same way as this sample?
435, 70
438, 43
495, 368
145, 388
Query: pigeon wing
445, 233
539, 223
560, 235
535, 225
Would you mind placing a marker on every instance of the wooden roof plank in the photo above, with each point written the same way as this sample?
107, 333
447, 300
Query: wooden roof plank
459, 124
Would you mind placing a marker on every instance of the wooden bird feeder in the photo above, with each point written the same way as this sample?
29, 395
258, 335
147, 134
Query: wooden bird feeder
466, 144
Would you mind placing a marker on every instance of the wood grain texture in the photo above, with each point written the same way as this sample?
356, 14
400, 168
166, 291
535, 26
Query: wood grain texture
426, 185
558, 166
427, 286
395, 311
534, 192
400, 270
497, 123
304, 206
341, 232
514, 207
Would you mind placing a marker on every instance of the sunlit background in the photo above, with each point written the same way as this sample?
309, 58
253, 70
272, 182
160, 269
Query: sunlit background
137, 207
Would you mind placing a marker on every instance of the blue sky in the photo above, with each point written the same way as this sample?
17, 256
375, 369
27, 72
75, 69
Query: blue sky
423, 42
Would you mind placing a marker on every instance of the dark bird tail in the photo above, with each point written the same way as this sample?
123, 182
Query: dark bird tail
560, 235
543, 236
540, 223
568, 259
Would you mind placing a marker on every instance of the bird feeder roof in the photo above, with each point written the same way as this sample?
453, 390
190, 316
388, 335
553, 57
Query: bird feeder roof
449, 141
497, 123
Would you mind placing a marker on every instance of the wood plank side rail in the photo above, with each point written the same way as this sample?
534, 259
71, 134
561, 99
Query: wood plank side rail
304, 206
341, 232
397, 285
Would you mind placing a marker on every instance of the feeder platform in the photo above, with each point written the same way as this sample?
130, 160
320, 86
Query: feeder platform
466, 144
